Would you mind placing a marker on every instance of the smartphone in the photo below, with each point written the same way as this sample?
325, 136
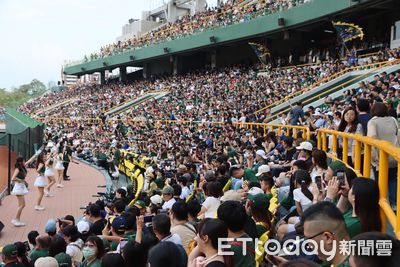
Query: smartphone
148, 219
340, 176
318, 181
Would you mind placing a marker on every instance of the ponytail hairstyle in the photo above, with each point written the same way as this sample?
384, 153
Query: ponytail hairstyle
19, 164
303, 178
39, 160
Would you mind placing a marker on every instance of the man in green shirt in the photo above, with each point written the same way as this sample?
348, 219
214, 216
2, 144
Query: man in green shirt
239, 175
41, 249
234, 215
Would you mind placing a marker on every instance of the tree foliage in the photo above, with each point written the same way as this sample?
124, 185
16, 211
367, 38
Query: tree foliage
23, 93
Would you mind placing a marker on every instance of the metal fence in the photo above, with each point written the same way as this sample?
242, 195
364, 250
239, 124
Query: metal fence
13, 145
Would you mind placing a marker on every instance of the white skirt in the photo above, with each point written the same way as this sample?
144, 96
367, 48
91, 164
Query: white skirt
49, 172
40, 181
19, 189
59, 166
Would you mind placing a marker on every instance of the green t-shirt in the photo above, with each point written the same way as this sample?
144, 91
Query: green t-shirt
101, 156
353, 224
117, 155
249, 175
96, 263
36, 254
131, 235
238, 258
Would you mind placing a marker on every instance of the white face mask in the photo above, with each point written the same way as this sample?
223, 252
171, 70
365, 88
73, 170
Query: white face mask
88, 252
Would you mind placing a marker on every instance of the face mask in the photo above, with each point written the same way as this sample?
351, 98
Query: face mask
88, 252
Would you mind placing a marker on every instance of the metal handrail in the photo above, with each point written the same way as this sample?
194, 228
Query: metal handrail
318, 83
385, 148
380, 65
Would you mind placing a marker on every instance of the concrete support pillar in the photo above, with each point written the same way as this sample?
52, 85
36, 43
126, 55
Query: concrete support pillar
122, 74
175, 67
102, 77
213, 59
146, 71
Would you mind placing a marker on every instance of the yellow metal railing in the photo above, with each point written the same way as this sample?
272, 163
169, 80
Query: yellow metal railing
378, 65
385, 148
373, 66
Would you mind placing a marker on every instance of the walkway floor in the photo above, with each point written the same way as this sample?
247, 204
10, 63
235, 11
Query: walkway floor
68, 200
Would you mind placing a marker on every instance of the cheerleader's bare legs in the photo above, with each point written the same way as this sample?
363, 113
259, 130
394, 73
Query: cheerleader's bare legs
60, 178
51, 182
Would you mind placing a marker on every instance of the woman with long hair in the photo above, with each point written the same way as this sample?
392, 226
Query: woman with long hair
320, 164
59, 166
303, 198
363, 200
20, 187
349, 124
384, 127
40, 181
49, 173
206, 252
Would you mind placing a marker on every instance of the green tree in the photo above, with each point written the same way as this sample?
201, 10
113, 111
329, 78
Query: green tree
23, 93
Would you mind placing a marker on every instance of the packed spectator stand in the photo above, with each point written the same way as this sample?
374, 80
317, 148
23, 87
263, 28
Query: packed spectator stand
216, 179
229, 13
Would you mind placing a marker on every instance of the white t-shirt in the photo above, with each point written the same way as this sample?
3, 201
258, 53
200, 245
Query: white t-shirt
185, 192
168, 205
304, 201
211, 204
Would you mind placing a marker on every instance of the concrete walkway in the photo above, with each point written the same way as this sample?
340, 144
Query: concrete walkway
68, 200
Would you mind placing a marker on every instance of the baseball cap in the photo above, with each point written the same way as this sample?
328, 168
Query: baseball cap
156, 200
261, 153
118, 223
305, 146
46, 262
140, 204
10, 250
260, 201
255, 191
263, 169
231, 195
83, 227
168, 190
50, 226
63, 259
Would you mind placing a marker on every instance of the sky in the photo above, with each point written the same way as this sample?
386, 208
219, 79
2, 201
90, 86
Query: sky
37, 36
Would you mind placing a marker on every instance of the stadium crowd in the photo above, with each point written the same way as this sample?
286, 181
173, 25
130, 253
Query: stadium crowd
232, 93
230, 12
223, 181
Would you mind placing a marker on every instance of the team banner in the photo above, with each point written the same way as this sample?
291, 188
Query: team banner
261, 51
348, 31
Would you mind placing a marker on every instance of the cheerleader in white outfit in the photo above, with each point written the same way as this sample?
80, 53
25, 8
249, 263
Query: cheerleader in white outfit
20, 187
40, 181
59, 167
49, 173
